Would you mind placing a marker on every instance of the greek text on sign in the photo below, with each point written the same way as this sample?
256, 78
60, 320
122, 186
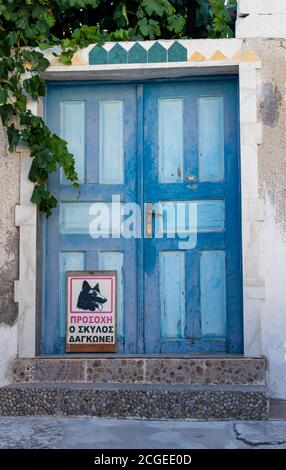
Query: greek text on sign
91, 311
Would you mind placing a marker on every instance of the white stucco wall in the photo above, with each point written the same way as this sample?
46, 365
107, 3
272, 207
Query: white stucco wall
9, 256
261, 19
271, 112
274, 312
8, 352
261, 7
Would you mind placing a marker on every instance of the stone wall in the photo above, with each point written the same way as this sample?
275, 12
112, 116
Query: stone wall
9, 255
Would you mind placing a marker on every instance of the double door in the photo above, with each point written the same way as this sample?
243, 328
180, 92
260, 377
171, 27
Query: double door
159, 202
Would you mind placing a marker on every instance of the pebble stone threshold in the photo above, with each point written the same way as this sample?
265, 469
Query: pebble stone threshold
137, 401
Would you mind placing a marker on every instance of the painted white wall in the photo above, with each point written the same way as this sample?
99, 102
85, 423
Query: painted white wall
273, 320
261, 7
8, 352
261, 19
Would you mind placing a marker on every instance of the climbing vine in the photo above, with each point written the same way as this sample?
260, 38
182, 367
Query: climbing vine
27, 27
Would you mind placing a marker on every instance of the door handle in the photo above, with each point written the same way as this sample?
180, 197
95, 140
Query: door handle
149, 212
154, 212
190, 178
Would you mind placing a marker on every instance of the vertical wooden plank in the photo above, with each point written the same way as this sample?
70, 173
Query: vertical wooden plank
92, 139
233, 230
111, 145
193, 311
72, 129
113, 260
211, 138
140, 201
170, 139
172, 294
213, 298
69, 261
50, 334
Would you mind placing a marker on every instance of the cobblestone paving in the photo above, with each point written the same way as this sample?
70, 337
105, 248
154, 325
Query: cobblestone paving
135, 401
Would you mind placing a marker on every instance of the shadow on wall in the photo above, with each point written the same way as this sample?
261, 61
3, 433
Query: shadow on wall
270, 101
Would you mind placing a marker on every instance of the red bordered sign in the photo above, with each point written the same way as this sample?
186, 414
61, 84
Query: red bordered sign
91, 311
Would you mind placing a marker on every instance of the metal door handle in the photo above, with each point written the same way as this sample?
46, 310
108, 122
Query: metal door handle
149, 212
154, 212
190, 178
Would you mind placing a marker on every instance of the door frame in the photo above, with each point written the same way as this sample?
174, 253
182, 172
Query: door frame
28, 289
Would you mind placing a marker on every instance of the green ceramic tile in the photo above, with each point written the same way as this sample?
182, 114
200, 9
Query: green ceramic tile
157, 53
177, 53
117, 55
98, 55
137, 54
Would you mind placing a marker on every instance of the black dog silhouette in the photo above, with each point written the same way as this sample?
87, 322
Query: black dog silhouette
90, 298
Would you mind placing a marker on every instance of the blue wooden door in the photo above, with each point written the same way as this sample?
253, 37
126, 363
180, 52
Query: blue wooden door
99, 123
172, 148
192, 260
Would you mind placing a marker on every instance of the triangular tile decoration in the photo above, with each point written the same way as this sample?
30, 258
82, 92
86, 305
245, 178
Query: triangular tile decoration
237, 56
157, 53
78, 60
218, 55
249, 57
137, 54
197, 57
98, 55
117, 55
53, 61
177, 53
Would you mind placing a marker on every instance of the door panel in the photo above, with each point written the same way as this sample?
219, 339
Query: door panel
211, 138
100, 124
191, 163
170, 139
73, 130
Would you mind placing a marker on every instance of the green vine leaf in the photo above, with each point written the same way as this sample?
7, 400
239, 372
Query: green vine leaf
176, 23
35, 86
27, 27
6, 111
13, 137
3, 95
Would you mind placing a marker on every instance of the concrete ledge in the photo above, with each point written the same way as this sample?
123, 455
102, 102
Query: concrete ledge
140, 71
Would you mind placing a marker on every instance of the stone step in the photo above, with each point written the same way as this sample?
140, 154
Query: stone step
207, 402
214, 370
